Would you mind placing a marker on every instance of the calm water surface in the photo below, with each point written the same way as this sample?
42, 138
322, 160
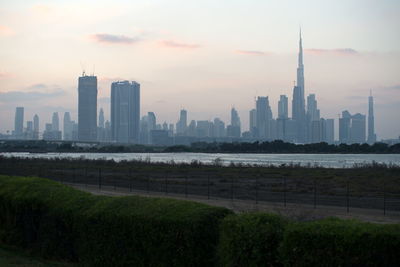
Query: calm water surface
324, 160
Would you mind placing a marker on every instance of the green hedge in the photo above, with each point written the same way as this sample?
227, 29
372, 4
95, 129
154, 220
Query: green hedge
335, 242
56, 221
251, 239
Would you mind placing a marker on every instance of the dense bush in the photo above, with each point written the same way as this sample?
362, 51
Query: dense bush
251, 239
56, 221
335, 242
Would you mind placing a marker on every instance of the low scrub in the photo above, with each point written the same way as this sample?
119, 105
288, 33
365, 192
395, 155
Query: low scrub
56, 221
251, 239
335, 242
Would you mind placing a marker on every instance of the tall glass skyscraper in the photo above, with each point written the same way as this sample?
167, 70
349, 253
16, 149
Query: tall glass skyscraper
19, 123
125, 111
87, 108
371, 121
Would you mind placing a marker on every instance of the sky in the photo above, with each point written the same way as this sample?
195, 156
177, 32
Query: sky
205, 56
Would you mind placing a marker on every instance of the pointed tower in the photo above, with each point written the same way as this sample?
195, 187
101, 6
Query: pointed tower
371, 121
298, 102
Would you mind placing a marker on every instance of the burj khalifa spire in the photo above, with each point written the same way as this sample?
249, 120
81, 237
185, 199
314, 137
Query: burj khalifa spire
298, 102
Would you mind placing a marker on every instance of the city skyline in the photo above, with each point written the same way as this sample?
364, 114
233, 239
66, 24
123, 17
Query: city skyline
126, 126
191, 69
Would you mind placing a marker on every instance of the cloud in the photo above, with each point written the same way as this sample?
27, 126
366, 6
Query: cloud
16, 96
338, 51
114, 39
38, 86
174, 44
4, 75
5, 31
250, 52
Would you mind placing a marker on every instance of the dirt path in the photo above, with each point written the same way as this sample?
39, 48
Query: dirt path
296, 211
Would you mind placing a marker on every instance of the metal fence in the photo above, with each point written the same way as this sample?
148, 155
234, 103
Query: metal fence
258, 188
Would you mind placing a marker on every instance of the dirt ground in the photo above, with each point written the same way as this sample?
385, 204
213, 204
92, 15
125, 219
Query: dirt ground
301, 212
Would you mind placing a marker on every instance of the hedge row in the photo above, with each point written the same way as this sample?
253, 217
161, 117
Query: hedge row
56, 221
268, 240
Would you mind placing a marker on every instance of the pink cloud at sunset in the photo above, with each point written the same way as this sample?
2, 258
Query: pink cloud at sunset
4, 30
174, 44
250, 52
114, 39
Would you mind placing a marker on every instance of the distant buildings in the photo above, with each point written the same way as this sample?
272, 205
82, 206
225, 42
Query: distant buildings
19, 123
87, 108
125, 112
352, 128
306, 124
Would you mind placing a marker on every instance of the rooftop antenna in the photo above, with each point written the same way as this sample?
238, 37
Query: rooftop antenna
94, 67
370, 92
83, 69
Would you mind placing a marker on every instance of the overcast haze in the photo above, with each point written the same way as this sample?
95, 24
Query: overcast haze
205, 56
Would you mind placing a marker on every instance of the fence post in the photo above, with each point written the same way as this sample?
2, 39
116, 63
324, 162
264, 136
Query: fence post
284, 191
148, 184
348, 196
257, 189
232, 188
208, 187
315, 193
86, 177
186, 185
384, 198
166, 183
74, 175
99, 178
130, 180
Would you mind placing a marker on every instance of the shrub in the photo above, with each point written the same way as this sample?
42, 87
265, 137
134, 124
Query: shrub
56, 221
336, 242
250, 239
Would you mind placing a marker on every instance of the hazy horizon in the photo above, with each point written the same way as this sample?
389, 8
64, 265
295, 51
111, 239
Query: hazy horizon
202, 56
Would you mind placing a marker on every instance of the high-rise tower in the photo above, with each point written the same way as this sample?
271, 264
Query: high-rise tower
371, 121
19, 123
87, 108
298, 102
125, 111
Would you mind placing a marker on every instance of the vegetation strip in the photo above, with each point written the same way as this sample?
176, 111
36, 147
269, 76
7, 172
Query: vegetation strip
59, 222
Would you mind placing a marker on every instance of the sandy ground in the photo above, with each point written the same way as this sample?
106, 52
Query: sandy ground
300, 212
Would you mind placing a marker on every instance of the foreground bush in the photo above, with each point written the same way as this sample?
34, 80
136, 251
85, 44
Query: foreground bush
56, 221
251, 239
335, 242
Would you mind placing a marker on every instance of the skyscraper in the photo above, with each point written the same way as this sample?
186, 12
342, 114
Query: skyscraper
36, 127
125, 111
253, 122
358, 128
371, 121
87, 108
283, 107
101, 118
234, 130
344, 127
55, 122
330, 131
181, 125
68, 126
19, 123
298, 102
264, 115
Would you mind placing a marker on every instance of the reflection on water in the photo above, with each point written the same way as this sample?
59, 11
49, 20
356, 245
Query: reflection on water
323, 160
